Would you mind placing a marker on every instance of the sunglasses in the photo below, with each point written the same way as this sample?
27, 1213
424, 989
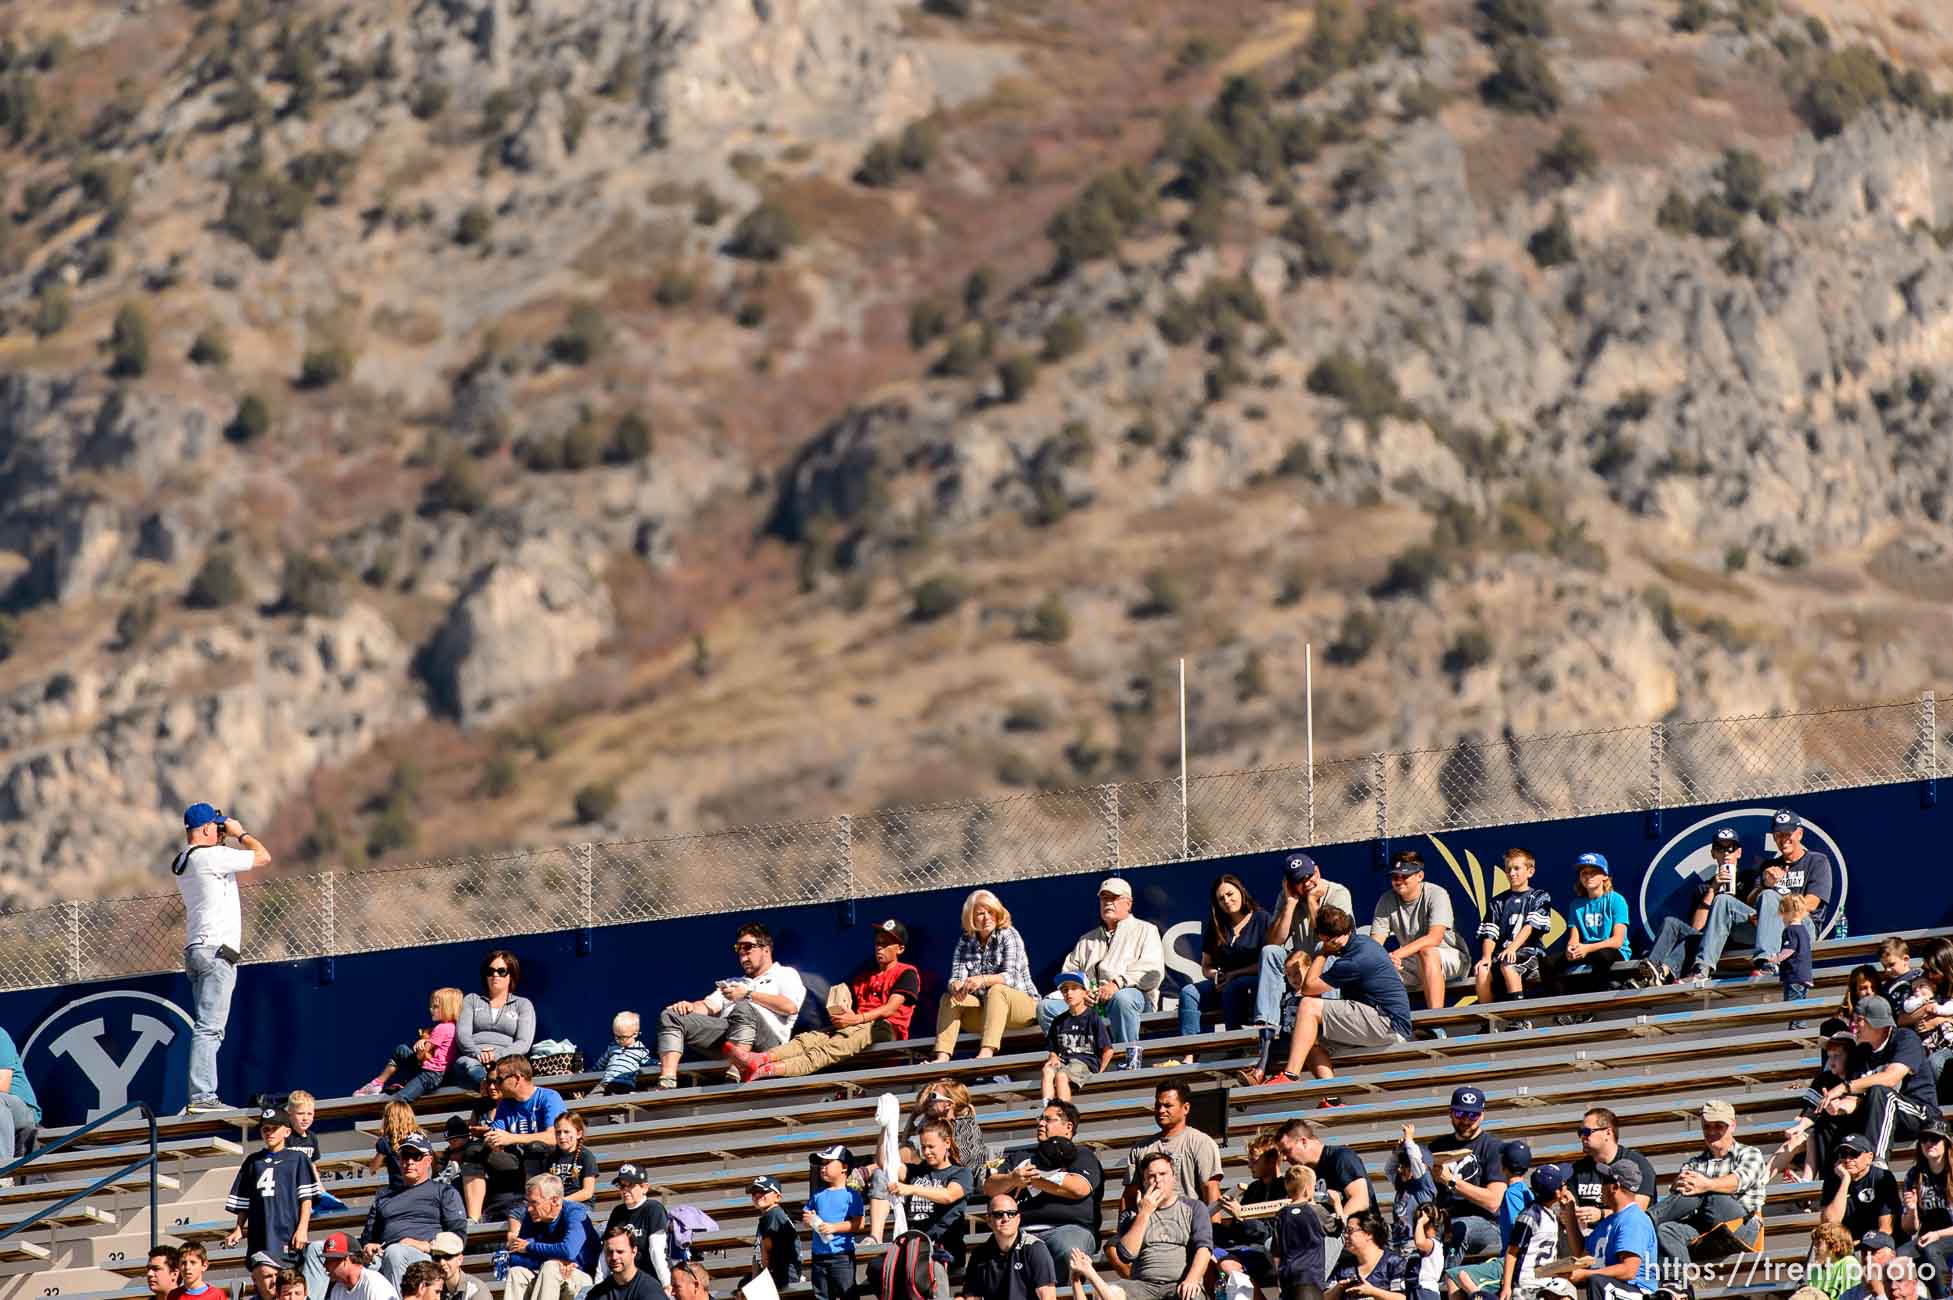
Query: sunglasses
747, 947
416, 1155
1585, 1132
498, 970
1004, 1214
1466, 1114
442, 1259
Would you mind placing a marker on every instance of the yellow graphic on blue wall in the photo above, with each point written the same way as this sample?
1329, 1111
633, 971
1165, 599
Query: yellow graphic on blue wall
1474, 885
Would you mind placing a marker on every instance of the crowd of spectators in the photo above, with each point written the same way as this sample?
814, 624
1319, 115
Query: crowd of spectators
1468, 1211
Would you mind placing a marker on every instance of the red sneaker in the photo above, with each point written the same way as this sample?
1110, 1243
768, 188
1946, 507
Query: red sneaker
761, 1067
1329, 1103
1280, 1076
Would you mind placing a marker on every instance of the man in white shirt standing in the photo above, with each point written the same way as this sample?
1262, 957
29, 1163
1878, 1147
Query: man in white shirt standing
1125, 961
206, 874
755, 1010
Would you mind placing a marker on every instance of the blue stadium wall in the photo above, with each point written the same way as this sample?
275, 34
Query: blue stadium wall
327, 1025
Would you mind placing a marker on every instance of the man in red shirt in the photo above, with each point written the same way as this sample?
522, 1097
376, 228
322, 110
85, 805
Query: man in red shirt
885, 993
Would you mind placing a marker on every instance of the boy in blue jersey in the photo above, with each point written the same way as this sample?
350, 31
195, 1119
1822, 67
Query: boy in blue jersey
1512, 937
1621, 1260
273, 1192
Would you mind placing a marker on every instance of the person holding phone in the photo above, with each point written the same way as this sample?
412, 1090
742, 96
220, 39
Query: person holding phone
206, 874
1678, 937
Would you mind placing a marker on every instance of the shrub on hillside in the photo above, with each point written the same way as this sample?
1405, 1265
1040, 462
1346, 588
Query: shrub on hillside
1552, 244
1017, 375
1839, 85
1367, 389
1049, 623
1570, 158
1358, 635
129, 342
933, 598
1499, 20
53, 309
251, 421
216, 583
310, 585
474, 225
1112, 206
594, 802
764, 234
1064, 336
1322, 250
211, 347
1524, 81
583, 338
631, 440
324, 367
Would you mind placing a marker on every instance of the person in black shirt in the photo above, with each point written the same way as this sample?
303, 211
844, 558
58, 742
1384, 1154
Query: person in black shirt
1466, 1167
1888, 1092
1056, 1184
776, 1242
938, 1193
1230, 957
273, 1192
1300, 1242
1010, 1266
1928, 1200
626, 1281
1338, 1169
1600, 1145
1857, 1193
645, 1219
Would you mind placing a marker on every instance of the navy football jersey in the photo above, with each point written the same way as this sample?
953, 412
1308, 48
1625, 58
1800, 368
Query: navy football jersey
267, 1191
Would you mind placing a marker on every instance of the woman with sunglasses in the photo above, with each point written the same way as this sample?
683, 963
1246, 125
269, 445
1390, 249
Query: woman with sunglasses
1928, 1198
495, 1022
754, 1010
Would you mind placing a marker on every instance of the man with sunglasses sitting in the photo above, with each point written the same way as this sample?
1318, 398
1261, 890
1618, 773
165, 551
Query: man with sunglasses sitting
520, 1142
449, 1251
754, 1011
401, 1226
1600, 1146
1011, 1265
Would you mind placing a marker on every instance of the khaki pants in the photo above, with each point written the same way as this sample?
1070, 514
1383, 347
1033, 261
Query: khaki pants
806, 1053
553, 1281
1001, 1007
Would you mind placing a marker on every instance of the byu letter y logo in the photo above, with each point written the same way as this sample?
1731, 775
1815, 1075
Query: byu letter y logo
83, 1045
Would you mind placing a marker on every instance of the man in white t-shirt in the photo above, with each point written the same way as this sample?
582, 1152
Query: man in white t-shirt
350, 1278
206, 874
755, 1009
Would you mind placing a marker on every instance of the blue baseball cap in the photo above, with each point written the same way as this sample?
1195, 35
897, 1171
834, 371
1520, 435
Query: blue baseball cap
1598, 861
200, 814
1726, 835
1517, 1157
1074, 977
1785, 820
1300, 867
763, 1184
1547, 1180
1468, 1099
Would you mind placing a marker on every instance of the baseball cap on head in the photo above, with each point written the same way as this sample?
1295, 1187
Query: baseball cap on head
1468, 1099
264, 1259
1876, 1012
1547, 1180
1074, 977
200, 814
457, 1127
1726, 838
628, 1174
835, 1152
1785, 820
1517, 1157
1625, 1173
1114, 885
274, 1117
761, 1185
1598, 861
892, 929
1300, 867
338, 1246
446, 1243
417, 1143
1876, 1240
1718, 1112
1855, 1143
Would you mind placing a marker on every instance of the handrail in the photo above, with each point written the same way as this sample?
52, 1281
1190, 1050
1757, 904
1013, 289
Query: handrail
150, 1160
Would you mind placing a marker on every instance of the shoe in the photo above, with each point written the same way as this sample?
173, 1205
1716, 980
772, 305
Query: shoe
1664, 976
1280, 1076
667, 1081
1643, 974
370, 1089
1574, 1018
1330, 1103
1520, 1026
206, 1105
1701, 974
1763, 970
1135, 1058
759, 1066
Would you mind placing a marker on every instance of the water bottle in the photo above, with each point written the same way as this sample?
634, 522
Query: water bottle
502, 1264
1843, 931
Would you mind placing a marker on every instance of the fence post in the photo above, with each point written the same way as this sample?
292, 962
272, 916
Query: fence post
74, 941
586, 883
328, 926
1657, 759
844, 847
1929, 743
1109, 814
1379, 777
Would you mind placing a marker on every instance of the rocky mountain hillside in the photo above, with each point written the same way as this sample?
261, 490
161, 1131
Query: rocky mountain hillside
431, 425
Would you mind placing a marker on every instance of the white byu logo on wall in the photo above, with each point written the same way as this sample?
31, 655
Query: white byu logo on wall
119, 1046
1667, 887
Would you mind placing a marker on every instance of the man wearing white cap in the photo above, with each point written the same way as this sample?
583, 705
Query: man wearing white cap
1124, 958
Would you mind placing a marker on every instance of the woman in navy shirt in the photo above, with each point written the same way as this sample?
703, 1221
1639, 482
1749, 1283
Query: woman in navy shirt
1366, 1268
1230, 956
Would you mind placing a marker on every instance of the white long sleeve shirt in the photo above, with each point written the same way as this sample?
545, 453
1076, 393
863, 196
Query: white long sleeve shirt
1132, 955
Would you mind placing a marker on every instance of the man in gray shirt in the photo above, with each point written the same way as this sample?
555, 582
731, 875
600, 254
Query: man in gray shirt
1292, 930
1166, 1243
1418, 915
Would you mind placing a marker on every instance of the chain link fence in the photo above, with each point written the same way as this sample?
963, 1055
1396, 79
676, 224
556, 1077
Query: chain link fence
1060, 832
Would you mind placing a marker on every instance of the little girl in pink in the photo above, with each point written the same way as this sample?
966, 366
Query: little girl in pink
425, 1063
